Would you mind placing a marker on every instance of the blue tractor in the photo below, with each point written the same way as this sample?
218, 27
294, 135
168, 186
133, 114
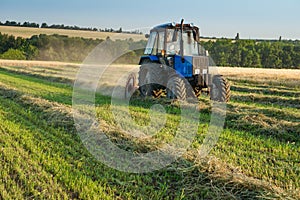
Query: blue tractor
176, 65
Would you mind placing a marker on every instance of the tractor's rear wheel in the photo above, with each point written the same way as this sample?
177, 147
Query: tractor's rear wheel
130, 86
220, 90
150, 78
176, 88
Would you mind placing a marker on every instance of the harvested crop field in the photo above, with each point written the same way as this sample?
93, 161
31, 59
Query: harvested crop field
25, 32
257, 155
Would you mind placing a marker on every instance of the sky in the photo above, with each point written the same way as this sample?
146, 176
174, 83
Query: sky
253, 19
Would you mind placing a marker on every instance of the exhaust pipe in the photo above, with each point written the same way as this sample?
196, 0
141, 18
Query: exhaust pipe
181, 41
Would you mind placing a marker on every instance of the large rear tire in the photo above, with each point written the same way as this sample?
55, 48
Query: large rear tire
220, 90
130, 86
150, 78
176, 88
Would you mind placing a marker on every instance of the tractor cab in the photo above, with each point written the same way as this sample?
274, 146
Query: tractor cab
166, 40
177, 46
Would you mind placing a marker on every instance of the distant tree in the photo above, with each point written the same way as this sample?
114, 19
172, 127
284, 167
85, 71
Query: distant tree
236, 53
13, 54
34, 25
29, 50
7, 42
237, 37
44, 25
13, 23
287, 56
120, 30
296, 56
274, 59
25, 24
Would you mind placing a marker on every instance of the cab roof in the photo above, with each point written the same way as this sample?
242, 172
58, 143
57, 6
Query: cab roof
174, 25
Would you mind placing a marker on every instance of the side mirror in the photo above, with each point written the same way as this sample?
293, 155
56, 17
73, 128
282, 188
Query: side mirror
147, 36
206, 53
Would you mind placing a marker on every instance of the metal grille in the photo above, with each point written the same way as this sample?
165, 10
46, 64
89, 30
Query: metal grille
200, 62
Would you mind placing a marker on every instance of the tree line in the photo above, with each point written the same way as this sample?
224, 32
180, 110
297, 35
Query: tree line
25, 24
253, 53
63, 48
225, 52
62, 26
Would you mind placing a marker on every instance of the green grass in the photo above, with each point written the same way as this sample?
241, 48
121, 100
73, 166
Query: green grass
57, 166
257, 155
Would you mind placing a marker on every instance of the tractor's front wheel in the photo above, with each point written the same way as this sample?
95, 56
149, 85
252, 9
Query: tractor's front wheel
220, 90
176, 88
149, 78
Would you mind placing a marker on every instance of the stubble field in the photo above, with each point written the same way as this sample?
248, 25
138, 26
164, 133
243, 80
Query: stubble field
257, 155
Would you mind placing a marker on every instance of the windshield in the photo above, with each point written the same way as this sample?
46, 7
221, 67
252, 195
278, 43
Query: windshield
173, 42
190, 46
